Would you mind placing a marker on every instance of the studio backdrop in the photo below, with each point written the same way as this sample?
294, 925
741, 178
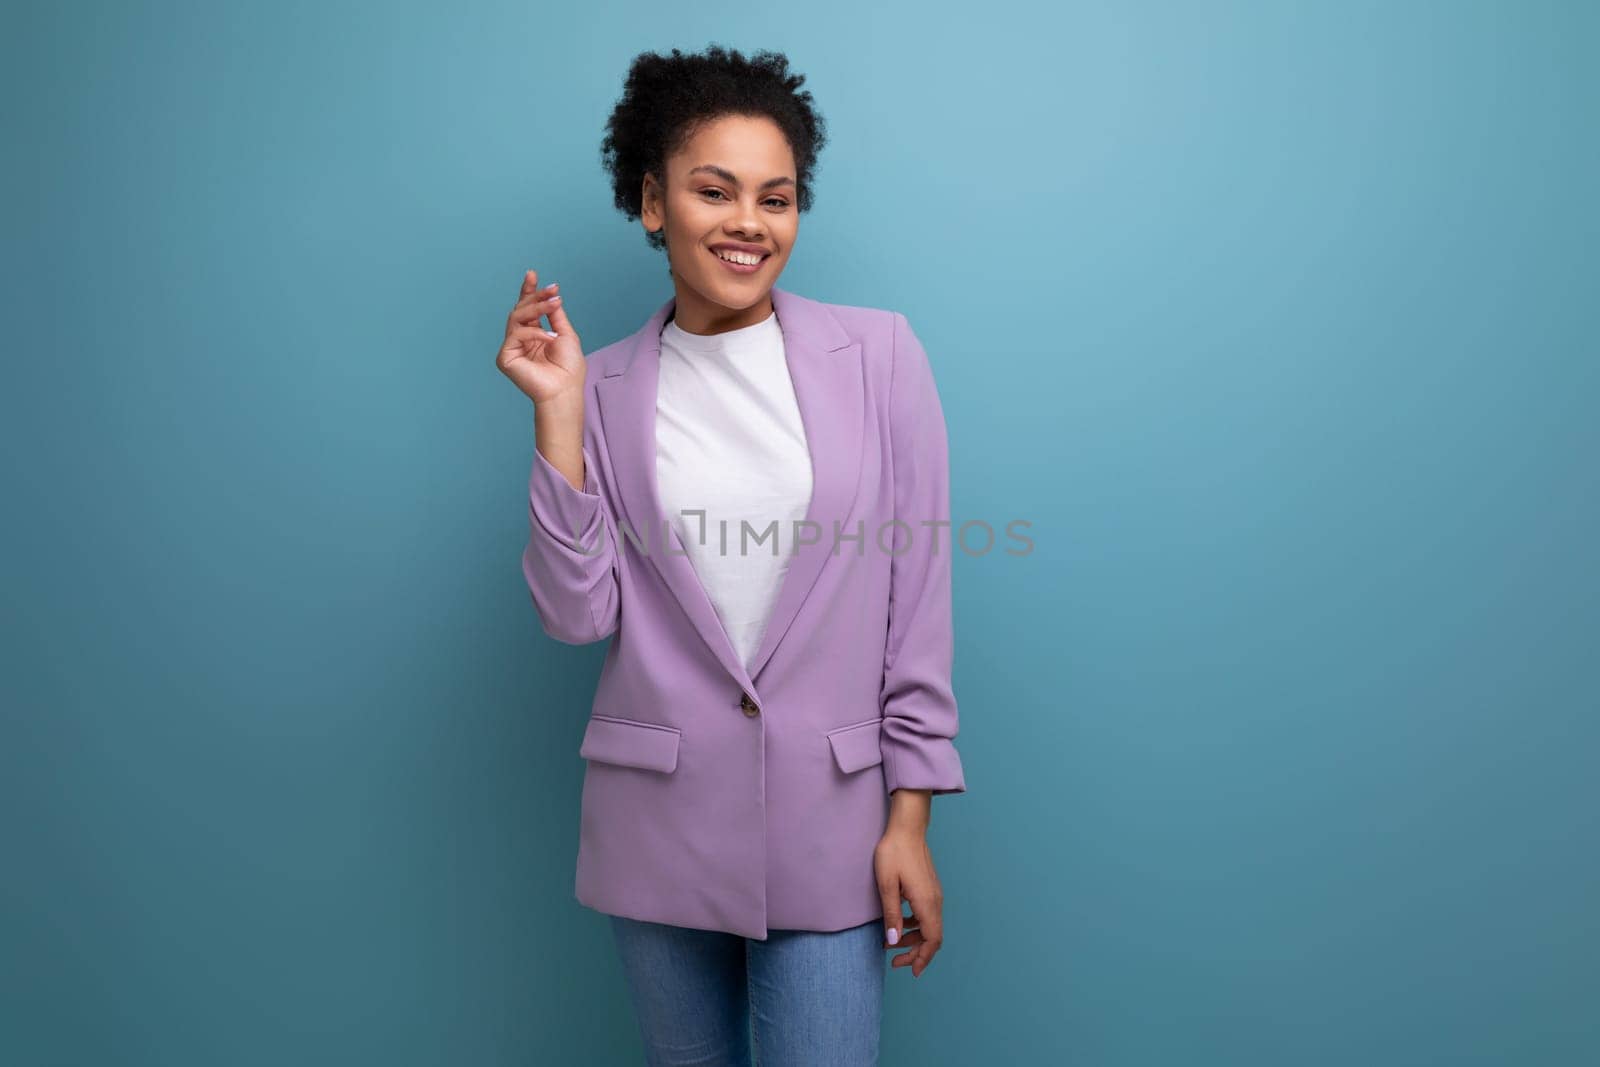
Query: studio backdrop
1271, 325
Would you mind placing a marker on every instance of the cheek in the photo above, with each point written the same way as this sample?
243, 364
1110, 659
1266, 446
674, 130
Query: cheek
691, 216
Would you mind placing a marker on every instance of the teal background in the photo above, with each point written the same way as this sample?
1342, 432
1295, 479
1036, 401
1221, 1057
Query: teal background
1276, 320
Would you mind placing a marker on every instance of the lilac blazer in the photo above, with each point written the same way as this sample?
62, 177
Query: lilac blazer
744, 801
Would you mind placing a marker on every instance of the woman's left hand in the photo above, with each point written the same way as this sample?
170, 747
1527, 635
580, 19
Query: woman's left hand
904, 867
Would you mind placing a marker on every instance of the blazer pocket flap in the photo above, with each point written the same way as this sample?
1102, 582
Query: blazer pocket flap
857, 746
627, 743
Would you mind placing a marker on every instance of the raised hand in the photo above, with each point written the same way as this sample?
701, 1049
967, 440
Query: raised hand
544, 364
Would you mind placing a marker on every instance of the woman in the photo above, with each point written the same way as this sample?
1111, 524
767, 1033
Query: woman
770, 724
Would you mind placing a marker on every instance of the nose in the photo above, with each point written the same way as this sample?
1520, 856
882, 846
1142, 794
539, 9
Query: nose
747, 221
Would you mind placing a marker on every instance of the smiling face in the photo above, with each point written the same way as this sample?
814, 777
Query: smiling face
728, 213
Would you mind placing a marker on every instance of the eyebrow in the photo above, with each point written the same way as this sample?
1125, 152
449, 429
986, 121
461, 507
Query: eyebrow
727, 176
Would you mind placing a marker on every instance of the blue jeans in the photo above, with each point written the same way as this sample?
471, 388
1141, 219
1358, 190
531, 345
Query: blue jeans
798, 999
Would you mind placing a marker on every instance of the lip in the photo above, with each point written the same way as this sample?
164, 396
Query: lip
740, 268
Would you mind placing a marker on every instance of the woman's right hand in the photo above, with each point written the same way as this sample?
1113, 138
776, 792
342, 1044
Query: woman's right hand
545, 364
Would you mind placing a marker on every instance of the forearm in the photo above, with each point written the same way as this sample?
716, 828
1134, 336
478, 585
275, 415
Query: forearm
910, 810
570, 559
558, 435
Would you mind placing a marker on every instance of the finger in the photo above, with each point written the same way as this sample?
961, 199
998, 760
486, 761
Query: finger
514, 349
912, 959
891, 912
522, 334
531, 286
529, 314
558, 318
908, 940
521, 343
535, 306
543, 292
932, 939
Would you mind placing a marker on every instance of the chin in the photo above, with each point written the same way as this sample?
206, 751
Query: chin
734, 295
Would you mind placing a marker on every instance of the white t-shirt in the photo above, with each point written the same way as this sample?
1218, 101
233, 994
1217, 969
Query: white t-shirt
730, 440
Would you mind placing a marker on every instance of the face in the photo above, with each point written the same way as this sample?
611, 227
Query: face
731, 188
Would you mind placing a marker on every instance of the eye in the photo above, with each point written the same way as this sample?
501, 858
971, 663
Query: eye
777, 202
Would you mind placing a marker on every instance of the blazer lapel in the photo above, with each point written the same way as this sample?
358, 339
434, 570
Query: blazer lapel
825, 368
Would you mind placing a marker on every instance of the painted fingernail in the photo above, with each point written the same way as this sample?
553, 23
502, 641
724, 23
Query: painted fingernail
894, 935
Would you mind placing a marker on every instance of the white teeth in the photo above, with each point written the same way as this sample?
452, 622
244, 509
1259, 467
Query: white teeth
740, 257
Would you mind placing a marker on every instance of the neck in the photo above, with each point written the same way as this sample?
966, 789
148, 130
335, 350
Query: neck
695, 314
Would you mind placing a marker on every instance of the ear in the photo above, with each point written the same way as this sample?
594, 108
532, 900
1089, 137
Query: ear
650, 200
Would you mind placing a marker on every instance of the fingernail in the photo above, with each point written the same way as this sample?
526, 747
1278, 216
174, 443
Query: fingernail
894, 935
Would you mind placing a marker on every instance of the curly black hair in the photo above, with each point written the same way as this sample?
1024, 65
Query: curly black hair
667, 98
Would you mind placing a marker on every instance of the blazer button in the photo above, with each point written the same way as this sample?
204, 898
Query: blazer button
748, 705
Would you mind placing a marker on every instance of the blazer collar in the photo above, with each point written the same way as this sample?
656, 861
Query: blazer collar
825, 368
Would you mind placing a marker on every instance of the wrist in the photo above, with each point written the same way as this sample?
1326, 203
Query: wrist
563, 407
909, 810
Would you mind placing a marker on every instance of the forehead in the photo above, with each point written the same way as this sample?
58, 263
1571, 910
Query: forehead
752, 147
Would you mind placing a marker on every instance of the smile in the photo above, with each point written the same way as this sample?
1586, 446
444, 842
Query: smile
740, 262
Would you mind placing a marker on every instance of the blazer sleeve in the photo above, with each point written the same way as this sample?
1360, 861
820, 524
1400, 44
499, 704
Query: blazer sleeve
570, 561
919, 705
